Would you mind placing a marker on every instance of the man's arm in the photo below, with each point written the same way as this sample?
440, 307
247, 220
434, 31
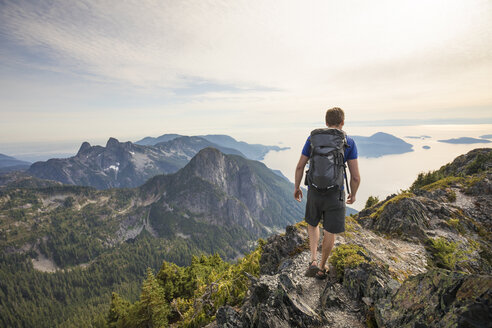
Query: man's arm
353, 166
298, 177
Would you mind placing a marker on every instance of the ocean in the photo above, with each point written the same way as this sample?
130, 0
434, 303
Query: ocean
385, 175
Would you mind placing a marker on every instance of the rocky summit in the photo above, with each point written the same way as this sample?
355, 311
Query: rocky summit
228, 190
421, 258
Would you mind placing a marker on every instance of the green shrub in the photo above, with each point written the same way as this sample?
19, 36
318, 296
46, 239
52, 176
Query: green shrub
424, 179
455, 223
479, 164
445, 253
443, 183
371, 201
347, 256
451, 195
395, 199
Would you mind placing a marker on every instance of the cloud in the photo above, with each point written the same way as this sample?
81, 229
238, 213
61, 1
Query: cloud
381, 57
275, 43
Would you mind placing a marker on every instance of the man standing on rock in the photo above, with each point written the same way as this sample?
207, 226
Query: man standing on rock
329, 149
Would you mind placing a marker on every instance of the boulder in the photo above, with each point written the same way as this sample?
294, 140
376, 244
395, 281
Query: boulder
279, 248
438, 298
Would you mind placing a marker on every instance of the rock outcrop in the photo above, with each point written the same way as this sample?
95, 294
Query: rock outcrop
439, 298
227, 190
371, 293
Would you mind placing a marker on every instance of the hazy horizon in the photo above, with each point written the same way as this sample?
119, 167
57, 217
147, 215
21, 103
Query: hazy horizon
38, 150
381, 176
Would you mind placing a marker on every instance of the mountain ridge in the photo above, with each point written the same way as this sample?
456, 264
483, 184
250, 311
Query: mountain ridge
9, 163
252, 151
122, 164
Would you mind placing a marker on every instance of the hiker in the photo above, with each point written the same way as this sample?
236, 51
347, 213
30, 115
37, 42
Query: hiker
325, 180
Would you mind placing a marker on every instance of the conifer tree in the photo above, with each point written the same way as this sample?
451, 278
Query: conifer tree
152, 309
118, 311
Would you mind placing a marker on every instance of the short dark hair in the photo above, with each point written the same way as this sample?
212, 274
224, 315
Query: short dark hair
335, 116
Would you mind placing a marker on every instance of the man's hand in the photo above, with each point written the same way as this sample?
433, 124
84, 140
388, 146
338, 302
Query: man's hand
299, 172
298, 194
350, 198
353, 166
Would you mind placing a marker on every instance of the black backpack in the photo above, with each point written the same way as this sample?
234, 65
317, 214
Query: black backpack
326, 164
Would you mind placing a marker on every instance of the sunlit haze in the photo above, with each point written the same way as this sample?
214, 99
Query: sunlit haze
88, 70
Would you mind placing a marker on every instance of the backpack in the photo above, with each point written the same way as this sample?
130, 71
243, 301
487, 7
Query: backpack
326, 163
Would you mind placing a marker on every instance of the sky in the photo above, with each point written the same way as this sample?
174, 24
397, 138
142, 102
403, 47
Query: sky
82, 70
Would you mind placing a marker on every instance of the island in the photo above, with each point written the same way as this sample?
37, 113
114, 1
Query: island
381, 144
418, 137
464, 141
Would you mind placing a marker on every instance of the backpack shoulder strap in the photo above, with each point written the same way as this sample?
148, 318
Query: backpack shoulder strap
345, 146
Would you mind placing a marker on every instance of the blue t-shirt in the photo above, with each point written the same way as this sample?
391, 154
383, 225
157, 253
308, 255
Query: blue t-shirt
350, 151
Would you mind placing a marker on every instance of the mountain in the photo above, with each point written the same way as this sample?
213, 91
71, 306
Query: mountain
464, 140
256, 199
251, 151
65, 248
122, 164
381, 144
150, 141
8, 163
16, 179
422, 258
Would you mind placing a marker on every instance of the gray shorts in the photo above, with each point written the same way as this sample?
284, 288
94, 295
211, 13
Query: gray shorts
328, 206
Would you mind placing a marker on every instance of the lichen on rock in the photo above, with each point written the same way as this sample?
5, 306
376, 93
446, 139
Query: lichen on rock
438, 298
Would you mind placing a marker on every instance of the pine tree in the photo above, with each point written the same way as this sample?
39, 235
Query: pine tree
152, 310
118, 311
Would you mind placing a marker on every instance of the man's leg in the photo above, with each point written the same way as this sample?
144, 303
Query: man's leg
313, 233
328, 241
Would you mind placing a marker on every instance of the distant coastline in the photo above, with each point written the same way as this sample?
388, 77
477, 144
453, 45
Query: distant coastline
464, 140
418, 137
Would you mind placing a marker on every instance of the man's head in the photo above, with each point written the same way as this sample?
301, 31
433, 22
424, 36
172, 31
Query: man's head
335, 117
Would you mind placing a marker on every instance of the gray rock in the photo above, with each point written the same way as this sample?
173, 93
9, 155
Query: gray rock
439, 298
278, 307
228, 317
279, 248
407, 218
370, 280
